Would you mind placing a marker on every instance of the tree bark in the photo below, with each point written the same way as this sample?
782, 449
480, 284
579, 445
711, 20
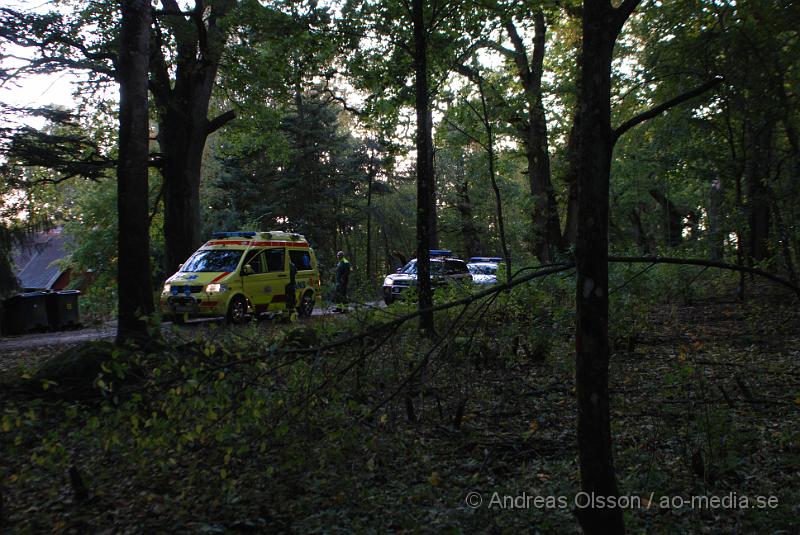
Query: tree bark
595, 141
716, 236
182, 106
491, 156
672, 220
370, 179
756, 176
424, 166
643, 240
433, 223
134, 285
469, 231
783, 235
571, 178
498, 202
546, 229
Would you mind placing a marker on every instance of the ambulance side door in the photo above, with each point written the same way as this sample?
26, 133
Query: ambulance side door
256, 280
305, 271
276, 262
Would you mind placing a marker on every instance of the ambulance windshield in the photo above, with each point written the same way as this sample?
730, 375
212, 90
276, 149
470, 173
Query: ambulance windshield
212, 261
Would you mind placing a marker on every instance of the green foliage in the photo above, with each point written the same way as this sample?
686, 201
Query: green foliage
308, 428
315, 183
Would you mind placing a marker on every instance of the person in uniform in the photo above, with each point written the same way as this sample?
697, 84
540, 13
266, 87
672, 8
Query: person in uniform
342, 279
291, 293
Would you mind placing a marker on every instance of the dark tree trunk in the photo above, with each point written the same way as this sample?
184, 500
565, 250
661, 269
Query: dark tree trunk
469, 230
643, 239
571, 178
477, 79
425, 188
716, 235
498, 202
756, 176
672, 221
433, 223
595, 141
783, 235
371, 178
740, 251
182, 106
181, 171
546, 228
135, 291
573, 154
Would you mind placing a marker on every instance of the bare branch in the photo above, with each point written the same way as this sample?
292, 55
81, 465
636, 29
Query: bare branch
220, 120
661, 108
465, 133
709, 263
624, 11
520, 55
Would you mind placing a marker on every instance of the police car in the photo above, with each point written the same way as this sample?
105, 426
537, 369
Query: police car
236, 274
444, 269
484, 269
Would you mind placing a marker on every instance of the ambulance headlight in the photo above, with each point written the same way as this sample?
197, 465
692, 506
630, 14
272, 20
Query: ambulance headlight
217, 288
387, 281
167, 288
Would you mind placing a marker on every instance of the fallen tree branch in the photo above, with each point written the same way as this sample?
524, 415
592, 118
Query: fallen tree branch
708, 263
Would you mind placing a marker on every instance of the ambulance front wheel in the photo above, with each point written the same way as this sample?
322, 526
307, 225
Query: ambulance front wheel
306, 306
237, 310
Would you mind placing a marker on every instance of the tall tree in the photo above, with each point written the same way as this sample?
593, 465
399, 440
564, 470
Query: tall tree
307, 176
186, 56
421, 37
531, 125
487, 143
135, 292
182, 104
595, 141
424, 142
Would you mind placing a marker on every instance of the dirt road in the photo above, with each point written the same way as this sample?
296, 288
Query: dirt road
32, 341
23, 342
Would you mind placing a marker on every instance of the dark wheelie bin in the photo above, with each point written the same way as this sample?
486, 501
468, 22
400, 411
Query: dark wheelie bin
25, 312
62, 309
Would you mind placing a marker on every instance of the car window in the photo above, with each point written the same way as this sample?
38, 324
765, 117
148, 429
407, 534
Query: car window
212, 260
256, 261
482, 269
301, 260
275, 259
456, 267
411, 268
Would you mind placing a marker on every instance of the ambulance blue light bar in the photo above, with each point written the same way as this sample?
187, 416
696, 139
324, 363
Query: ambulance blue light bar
235, 234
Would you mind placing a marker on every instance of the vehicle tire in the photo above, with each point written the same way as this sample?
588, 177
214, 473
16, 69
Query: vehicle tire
306, 306
388, 299
237, 310
177, 319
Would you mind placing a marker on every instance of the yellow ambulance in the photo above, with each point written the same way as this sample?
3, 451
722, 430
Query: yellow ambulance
238, 274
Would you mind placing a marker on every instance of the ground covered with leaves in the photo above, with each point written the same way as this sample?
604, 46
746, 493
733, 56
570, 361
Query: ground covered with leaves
359, 424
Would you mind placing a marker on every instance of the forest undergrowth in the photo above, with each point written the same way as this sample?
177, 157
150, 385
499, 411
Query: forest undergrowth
336, 427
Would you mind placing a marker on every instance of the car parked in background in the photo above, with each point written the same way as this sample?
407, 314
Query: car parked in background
484, 269
444, 270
